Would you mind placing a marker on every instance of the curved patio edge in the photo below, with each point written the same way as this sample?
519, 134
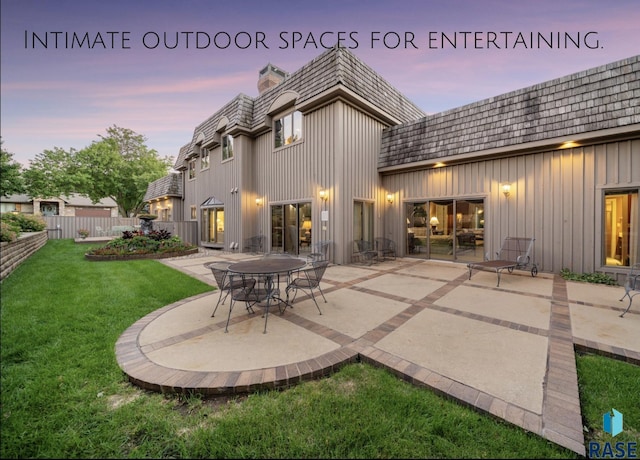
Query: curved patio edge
558, 421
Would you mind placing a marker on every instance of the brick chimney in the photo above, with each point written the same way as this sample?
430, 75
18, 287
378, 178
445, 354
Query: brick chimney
269, 77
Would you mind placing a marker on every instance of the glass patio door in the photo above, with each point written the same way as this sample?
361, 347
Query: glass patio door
213, 225
446, 229
291, 228
441, 229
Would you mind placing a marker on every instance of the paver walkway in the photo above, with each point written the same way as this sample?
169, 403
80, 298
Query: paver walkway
506, 351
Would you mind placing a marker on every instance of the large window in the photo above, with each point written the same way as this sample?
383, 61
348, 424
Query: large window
621, 228
288, 129
227, 147
204, 158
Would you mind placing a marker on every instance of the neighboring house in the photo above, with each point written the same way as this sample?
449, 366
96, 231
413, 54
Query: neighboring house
165, 197
333, 152
73, 205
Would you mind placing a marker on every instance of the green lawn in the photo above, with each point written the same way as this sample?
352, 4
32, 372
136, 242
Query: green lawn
64, 396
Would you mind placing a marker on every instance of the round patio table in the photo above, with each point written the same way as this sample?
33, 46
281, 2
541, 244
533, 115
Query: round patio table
268, 268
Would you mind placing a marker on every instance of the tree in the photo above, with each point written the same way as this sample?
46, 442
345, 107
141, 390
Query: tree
47, 176
10, 174
119, 166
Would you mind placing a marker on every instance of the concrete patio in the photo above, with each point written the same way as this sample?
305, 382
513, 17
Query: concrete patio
507, 351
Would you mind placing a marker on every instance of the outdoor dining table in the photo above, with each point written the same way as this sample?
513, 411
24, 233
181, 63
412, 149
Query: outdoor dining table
268, 268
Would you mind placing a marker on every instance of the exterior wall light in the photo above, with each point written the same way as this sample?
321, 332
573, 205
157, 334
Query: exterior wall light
258, 201
390, 197
324, 195
506, 189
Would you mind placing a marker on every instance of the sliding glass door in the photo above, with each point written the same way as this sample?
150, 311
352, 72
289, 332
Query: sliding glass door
291, 228
446, 229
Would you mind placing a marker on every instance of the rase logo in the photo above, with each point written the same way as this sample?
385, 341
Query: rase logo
612, 424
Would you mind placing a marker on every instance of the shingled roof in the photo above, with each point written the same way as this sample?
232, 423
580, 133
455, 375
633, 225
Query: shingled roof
335, 67
597, 99
170, 185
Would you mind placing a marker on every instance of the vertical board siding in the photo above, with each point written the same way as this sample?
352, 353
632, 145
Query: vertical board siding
555, 197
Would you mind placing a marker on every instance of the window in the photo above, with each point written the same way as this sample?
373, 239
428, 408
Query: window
620, 227
193, 213
192, 169
204, 158
227, 147
288, 129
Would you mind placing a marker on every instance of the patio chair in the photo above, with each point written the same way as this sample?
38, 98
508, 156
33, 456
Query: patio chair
386, 248
225, 285
100, 231
308, 280
243, 290
254, 245
319, 251
364, 251
632, 284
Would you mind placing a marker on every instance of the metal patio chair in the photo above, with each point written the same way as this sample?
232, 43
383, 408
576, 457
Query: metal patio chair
243, 290
386, 248
225, 283
365, 252
631, 285
515, 253
307, 280
319, 251
255, 244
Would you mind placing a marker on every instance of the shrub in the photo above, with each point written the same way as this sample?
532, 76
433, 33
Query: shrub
157, 235
23, 222
160, 235
136, 243
7, 233
597, 278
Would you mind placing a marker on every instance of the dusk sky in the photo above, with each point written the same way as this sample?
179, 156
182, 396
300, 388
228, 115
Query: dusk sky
65, 96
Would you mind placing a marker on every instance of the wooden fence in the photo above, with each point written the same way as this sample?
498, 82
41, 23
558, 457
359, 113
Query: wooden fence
60, 227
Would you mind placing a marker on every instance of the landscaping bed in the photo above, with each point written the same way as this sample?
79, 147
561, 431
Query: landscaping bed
164, 255
154, 244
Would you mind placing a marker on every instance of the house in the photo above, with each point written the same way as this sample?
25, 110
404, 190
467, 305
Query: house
164, 197
298, 163
73, 205
333, 152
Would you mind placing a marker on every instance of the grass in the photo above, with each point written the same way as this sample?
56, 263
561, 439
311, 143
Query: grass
64, 396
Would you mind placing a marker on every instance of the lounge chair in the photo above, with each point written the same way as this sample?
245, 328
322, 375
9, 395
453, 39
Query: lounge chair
631, 286
515, 253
